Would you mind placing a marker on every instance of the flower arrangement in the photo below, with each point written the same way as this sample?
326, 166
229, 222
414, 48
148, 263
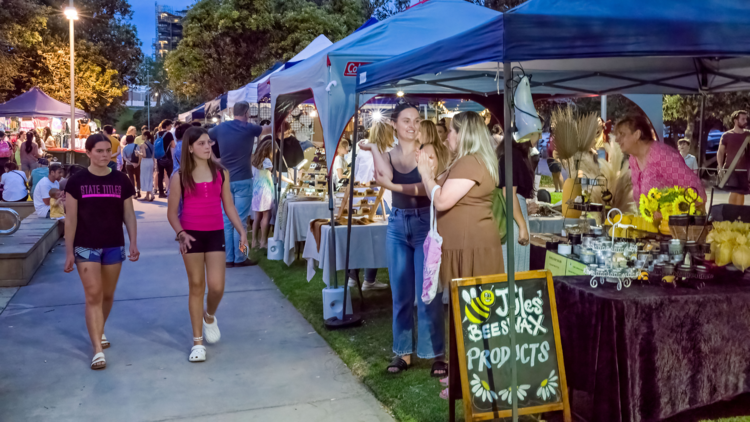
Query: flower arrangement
662, 203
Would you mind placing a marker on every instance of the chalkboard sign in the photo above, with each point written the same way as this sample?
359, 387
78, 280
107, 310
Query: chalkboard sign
482, 327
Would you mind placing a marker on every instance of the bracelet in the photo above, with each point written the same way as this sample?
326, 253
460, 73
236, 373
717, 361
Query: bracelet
177, 238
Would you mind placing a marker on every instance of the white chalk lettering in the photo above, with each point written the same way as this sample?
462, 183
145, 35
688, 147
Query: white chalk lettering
544, 352
474, 333
472, 354
495, 329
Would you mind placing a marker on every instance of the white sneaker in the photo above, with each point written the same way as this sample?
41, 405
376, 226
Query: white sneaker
352, 283
375, 285
211, 331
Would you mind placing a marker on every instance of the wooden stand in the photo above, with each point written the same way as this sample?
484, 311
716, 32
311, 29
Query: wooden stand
365, 193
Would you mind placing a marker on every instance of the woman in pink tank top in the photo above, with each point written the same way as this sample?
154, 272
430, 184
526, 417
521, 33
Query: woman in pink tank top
203, 188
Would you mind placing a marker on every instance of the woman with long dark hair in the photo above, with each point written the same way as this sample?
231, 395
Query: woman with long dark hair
204, 189
29, 154
408, 226
49, 140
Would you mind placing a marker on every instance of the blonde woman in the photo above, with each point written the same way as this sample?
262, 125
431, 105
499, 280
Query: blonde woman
462, 195
432, 145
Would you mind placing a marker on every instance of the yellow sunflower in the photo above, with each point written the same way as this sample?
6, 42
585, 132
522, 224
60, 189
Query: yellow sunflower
680, 206
652, 193
647, 211
696, 210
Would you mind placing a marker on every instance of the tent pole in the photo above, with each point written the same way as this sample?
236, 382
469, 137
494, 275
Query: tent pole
351, 198
332, 244
701, 152
510, 241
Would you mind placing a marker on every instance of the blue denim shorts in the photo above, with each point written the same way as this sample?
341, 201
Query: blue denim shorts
105, 256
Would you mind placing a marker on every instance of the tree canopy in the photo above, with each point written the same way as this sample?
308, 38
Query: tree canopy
35, 51
228, 43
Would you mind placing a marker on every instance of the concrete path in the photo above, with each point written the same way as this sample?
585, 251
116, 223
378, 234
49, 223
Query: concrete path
269, 366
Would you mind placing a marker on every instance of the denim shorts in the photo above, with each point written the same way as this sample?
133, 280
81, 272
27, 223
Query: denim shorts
105, 256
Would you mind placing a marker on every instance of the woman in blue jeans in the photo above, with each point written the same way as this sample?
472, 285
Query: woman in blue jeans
408, 225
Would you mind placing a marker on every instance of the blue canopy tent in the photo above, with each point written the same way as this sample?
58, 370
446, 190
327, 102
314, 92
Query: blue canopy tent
197, 113
583, 46
329, 76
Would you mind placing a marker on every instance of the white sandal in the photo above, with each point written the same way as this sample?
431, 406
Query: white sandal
105, 342
98, 361
211, 331
198, 352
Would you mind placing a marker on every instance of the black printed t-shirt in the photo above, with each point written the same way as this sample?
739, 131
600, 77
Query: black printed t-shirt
100, 208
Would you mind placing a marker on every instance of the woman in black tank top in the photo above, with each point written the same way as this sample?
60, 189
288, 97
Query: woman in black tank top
408, 225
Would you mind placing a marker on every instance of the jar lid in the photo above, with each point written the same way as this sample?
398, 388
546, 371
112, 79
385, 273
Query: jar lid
701, 269
679, 220
668, 267
675, 242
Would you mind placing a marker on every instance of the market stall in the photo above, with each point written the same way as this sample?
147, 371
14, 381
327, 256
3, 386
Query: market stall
597, 49
41, 110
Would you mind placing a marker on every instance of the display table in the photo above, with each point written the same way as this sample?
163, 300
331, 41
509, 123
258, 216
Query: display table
647, 352
367, 249
297, 222
66, 156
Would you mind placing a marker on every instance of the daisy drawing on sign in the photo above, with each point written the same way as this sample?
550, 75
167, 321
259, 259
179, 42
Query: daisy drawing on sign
547, 387
507, 394
482, 390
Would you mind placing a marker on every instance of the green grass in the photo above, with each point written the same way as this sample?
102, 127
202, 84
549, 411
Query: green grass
556, 197
546, 182
411, 396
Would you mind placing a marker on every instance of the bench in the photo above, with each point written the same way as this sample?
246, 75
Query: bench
24, 209
22, 253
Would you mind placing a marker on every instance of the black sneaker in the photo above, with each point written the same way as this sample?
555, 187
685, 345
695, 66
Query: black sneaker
230, 264
246, 263
161, 195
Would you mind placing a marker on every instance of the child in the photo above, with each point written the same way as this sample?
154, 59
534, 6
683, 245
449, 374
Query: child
262, 192
56, 204
339, 164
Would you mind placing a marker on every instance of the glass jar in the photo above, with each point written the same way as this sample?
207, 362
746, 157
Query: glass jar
675, 247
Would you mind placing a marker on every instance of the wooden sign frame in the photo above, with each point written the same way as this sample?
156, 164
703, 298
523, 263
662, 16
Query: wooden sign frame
461, 390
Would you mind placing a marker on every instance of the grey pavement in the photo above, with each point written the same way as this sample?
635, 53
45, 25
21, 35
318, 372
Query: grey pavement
269, 366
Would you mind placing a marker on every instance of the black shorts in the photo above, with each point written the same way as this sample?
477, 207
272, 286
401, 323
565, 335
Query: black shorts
554, 166
206, 241
738, 183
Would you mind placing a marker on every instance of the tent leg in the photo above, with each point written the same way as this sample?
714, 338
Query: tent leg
332, 244
701, 144
510, 265
351, 197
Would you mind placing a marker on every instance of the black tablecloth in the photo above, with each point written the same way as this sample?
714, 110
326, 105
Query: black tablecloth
647, 353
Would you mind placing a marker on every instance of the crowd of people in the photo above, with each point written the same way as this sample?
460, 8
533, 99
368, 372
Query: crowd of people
215, 178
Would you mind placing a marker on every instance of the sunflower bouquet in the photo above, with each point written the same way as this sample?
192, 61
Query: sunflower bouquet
662, 203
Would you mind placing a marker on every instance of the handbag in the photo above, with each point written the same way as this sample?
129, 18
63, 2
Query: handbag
433, 255
499, 213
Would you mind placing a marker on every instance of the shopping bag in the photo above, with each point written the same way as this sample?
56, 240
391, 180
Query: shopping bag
499, 213
433, 253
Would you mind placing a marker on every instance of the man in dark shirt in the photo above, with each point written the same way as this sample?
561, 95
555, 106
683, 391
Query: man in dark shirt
729, 147
165, 164
235, 140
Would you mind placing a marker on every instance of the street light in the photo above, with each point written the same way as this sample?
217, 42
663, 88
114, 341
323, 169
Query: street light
72, 15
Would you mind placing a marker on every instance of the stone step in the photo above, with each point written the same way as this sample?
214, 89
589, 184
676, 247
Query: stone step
22, 253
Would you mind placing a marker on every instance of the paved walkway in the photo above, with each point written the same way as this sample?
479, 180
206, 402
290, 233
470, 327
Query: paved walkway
269, 366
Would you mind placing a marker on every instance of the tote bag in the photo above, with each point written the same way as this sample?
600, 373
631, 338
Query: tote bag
433, 254
499, 213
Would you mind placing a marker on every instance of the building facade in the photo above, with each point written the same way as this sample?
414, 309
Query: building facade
168, 29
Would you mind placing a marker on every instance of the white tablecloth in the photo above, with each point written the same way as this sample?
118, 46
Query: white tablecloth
367, 250
298, 217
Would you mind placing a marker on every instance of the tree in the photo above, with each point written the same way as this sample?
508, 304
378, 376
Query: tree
254, 34
34, 50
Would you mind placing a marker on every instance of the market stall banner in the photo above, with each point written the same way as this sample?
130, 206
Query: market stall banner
482, 320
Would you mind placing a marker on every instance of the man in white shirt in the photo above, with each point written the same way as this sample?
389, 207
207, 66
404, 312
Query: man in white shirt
684, 146
41, 191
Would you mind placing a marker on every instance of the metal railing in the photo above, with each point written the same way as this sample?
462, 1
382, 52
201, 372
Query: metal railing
16, 222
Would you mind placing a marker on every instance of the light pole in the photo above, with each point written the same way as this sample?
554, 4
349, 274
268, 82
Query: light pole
72, 14
148, 90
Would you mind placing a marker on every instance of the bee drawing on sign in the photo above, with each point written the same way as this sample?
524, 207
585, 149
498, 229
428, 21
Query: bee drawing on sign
643, 278
478, 308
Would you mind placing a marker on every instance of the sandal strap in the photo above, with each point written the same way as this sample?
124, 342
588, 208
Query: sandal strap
99, 357
398, 363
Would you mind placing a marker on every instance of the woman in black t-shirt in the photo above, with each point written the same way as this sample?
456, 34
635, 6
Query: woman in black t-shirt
523, 189
98, 201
